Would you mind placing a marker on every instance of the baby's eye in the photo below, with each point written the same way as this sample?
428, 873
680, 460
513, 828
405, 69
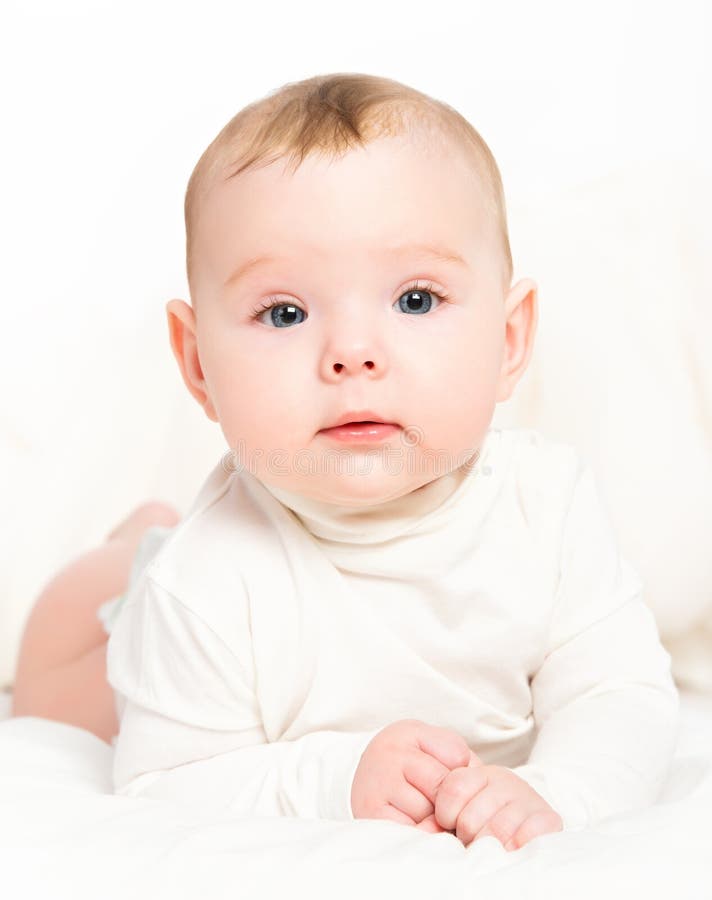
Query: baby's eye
417, 300
289, 316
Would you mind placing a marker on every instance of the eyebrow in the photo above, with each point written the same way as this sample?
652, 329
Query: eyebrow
439, 253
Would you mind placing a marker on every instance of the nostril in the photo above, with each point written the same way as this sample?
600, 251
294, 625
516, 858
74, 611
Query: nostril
339, 366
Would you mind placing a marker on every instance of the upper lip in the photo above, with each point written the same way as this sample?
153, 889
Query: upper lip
359, 415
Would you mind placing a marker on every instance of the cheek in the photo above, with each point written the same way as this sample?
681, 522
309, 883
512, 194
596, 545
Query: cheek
458, 385
255, 394
465, 343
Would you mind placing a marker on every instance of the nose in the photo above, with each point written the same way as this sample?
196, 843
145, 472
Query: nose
353, 349
352, 361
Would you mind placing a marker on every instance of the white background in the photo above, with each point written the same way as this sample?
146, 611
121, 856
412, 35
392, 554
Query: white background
106, 108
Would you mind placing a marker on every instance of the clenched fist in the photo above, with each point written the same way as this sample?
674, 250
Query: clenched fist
478, 800
401, 769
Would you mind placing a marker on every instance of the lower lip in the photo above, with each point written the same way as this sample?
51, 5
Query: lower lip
360, 432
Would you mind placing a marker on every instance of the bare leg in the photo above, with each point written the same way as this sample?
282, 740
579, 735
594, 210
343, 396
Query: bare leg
61, 670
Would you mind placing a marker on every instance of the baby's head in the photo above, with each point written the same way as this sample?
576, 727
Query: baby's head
348, 256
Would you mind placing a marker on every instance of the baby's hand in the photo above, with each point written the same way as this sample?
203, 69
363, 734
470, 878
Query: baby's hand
479, 800
401, 769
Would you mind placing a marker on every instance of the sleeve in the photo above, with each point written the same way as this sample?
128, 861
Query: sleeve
190, 726
604, 702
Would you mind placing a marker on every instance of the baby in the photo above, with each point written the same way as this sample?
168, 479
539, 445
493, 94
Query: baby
378, 606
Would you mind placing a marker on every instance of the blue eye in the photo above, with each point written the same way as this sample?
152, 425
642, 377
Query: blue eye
418, 300
286, 319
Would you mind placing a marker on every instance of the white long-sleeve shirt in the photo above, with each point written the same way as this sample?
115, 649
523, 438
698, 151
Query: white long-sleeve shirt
272, 636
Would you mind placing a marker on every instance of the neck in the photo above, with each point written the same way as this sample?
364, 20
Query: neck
379, 521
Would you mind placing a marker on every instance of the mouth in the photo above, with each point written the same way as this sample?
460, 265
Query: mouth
360, 427
359, 417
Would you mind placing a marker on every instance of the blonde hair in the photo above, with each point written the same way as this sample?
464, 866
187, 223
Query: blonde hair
332, 114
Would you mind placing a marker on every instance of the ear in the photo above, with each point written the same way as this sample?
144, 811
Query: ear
522, 316
184, 342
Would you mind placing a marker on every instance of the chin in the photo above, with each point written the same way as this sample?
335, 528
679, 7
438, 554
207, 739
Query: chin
362, 490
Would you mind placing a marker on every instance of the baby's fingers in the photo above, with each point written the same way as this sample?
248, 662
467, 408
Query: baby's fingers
459, 789
410, 800
505, 823
393, 814
445, 745
424, 772
476, 818
544, 821
430, 824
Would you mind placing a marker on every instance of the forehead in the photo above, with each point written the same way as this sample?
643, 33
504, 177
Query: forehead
391, 193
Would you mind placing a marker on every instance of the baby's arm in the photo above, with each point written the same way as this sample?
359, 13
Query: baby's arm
604, 701
190, 724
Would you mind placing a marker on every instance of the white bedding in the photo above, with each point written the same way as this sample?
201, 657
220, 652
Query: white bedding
62, 834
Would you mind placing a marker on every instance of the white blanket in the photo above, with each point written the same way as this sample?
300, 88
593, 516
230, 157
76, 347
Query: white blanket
63, 835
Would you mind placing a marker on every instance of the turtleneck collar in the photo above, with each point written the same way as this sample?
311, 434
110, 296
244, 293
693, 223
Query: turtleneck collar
389, 519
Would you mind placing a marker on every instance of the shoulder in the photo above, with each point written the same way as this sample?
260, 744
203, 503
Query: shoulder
539, 476
542, 467
201, 561
192, 591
